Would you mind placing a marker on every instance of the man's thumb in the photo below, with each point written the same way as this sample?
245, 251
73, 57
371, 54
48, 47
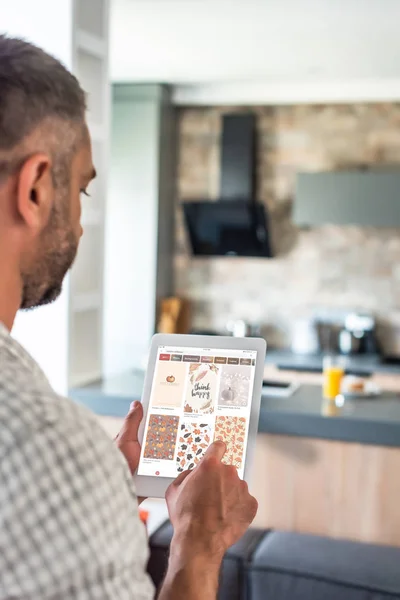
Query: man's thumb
132, 421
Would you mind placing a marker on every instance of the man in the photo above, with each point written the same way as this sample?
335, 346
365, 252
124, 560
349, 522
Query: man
69, 524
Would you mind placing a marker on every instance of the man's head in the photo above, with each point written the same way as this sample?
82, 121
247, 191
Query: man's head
45, 164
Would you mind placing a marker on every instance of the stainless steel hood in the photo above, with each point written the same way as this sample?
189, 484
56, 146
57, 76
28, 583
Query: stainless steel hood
370, 199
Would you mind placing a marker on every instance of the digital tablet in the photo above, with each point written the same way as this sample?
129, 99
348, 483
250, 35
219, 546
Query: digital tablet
198, 389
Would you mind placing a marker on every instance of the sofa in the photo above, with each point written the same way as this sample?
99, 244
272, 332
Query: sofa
268, 564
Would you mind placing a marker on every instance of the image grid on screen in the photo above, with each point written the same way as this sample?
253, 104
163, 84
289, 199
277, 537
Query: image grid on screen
197, 396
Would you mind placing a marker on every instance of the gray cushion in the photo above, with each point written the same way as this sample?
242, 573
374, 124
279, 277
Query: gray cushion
233, 582
289, 566
159, 553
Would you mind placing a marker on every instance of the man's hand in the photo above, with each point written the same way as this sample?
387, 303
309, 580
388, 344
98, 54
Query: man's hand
211, 505
210, 509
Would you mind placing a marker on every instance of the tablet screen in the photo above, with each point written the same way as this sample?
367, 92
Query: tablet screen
197, 396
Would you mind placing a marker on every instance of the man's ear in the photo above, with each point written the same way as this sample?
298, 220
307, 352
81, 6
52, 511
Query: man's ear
35, 191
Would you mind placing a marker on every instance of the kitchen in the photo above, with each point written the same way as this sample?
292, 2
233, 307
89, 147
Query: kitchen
324, 279
320, 268
331, 287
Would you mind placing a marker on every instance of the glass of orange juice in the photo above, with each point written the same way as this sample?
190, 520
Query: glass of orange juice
333, 375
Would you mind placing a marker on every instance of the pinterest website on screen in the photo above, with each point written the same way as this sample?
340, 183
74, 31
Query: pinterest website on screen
197, 396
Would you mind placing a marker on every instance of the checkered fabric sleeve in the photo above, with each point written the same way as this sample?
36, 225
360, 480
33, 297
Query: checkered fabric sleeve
69, 525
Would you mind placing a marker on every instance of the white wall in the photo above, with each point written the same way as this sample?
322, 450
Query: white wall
44, 332
131, 228
260, 52
43, 22
290, 92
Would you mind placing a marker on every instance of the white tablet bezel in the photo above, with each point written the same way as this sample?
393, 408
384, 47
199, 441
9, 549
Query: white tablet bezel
155, 487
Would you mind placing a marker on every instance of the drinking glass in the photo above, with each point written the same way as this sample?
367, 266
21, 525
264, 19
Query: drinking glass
333, 374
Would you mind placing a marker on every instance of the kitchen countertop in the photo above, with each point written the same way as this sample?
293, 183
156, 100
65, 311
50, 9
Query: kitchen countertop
373, 421
362, 363
369, 421
111, 397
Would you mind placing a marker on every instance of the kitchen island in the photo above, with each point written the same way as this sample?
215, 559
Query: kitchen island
319, 468
373, 421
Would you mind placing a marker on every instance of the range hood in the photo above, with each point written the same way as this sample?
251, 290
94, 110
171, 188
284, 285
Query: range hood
235, 224
366, 198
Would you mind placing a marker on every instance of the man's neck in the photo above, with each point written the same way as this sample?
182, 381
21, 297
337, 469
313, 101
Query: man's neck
10, 295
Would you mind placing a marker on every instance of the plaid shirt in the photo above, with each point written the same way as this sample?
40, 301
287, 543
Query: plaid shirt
69, 525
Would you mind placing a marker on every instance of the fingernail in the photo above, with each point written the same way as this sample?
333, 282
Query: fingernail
134, 405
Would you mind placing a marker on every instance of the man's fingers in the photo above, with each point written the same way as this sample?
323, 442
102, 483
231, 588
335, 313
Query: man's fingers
181, 477
131, 423
216, 450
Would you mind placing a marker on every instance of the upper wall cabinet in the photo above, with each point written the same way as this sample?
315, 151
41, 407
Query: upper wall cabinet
369, 199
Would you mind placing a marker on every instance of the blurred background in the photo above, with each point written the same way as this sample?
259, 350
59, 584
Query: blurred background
248, 157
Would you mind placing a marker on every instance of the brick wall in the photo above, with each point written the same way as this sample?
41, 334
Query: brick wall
328, 267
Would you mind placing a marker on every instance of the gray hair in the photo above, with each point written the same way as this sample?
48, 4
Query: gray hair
36, 91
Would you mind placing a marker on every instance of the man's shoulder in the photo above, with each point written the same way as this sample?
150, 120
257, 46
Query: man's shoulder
28, 404
33, 415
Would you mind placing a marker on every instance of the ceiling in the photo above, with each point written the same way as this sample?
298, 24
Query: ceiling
255, 42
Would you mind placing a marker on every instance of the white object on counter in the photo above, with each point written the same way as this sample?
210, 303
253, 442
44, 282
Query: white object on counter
238, 328
305, 337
